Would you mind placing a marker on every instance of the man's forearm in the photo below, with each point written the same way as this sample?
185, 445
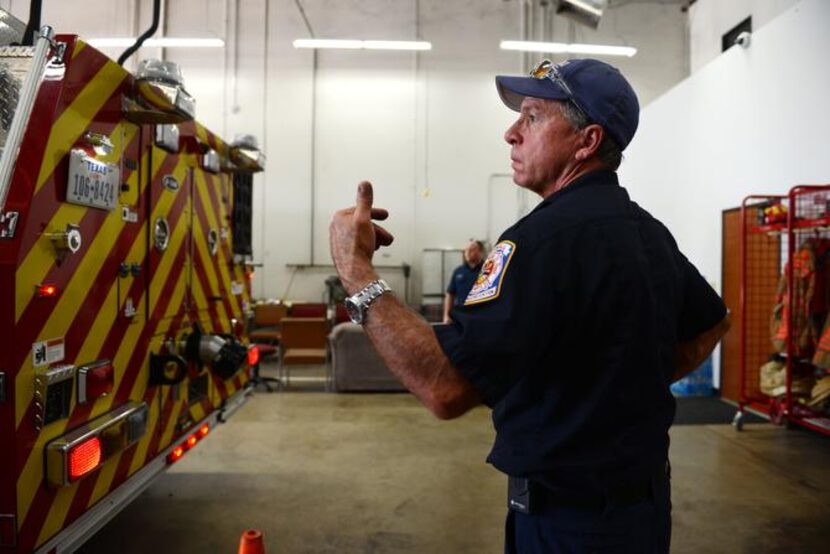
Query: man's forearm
408, 345
691, 354
448, 302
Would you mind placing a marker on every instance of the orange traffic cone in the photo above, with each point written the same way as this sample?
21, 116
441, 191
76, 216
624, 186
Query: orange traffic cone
251, 542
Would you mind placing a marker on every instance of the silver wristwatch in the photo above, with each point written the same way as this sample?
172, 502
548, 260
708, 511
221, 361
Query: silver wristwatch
358, 304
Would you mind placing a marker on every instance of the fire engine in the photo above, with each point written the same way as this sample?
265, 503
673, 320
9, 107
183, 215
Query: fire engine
124, 242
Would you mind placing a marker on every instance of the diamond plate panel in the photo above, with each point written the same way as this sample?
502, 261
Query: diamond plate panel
15, 64
11, 29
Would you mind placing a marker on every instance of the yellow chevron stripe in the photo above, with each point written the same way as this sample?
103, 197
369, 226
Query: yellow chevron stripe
60, 505
102, 485
59, 510
31, 475
79, 45
201, 303
209, 273
200, 242
94, 252
74, 120
139, 459
197, 412
40, 260
167, 436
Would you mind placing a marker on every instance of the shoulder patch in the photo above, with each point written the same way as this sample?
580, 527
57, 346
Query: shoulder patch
488, 283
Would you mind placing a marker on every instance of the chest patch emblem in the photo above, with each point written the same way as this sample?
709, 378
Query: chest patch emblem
489, 280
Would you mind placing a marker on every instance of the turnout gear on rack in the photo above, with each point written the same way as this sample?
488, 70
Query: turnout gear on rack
808, 301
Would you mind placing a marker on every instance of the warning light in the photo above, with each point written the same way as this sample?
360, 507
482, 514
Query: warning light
251, 276
175, 454
204, 430
192, 440
47, 291
84, 458
253, 355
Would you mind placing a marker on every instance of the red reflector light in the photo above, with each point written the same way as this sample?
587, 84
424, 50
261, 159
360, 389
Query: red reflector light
95, 381
47, 291
84, 458
175, 454
192, 440
253, 355
204, 430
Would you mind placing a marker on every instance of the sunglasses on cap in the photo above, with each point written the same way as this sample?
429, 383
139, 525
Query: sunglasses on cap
547, 70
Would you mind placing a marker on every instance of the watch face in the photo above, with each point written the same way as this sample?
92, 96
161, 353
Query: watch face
354, 311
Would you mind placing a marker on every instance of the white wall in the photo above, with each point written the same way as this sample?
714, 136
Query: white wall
753, 121
709, 20
425, 128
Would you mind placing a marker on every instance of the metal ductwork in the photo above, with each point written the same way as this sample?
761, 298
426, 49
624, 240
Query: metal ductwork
586, 12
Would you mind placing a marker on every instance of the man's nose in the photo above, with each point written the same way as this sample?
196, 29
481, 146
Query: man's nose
511, 136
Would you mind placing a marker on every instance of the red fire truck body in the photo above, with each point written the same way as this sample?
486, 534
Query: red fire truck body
123, 287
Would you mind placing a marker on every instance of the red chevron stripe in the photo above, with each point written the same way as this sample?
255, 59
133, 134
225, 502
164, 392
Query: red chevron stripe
43, 499
30, 529
80, 326
221, 388
213, 184
202, 215
163, 421
53, 98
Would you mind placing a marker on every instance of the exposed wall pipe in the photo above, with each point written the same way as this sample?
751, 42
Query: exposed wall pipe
265, 96
314, 66
147, 34
235, 103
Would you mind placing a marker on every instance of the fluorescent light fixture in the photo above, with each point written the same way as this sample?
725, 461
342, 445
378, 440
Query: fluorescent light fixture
562, 48
590, 7
362, 44
164, 42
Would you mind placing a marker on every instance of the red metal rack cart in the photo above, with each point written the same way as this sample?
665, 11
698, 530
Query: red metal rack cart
785, 304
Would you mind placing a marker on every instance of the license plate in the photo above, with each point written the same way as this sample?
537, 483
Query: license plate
91, 182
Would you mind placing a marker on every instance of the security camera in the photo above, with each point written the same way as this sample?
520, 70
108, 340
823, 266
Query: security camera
743, 39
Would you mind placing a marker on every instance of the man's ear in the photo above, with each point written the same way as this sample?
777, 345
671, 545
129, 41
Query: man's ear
592, 136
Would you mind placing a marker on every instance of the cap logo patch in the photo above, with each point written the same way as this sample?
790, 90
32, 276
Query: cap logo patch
488, 283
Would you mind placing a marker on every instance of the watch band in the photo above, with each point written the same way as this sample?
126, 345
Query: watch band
359, 302
372, 291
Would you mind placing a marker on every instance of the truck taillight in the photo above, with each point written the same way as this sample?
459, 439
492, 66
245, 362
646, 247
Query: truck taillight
175, 454
47, 290
204, 430
191, 441
84, 458
253, 355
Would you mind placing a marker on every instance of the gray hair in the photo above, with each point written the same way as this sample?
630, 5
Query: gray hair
608, 152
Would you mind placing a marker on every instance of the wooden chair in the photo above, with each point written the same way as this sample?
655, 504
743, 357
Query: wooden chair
304, 341
308, 309
266, 325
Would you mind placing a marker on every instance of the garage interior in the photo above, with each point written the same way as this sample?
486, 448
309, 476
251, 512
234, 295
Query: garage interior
329, 453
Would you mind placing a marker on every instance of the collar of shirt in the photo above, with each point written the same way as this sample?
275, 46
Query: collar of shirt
599, 177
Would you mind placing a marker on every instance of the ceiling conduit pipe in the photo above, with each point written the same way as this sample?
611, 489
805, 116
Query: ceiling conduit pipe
147, 34
35, 8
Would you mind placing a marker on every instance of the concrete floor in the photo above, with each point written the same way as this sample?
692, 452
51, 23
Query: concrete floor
375, 473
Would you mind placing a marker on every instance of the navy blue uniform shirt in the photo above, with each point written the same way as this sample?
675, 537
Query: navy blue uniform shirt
570, 335
462, 281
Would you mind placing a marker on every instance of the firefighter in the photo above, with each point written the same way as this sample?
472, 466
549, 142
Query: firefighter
463, 277
586, 313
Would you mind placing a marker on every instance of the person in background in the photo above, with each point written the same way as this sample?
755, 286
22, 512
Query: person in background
584, 313
463, 277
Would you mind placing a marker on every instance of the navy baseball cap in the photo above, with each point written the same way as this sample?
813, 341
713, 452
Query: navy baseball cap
597, 89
